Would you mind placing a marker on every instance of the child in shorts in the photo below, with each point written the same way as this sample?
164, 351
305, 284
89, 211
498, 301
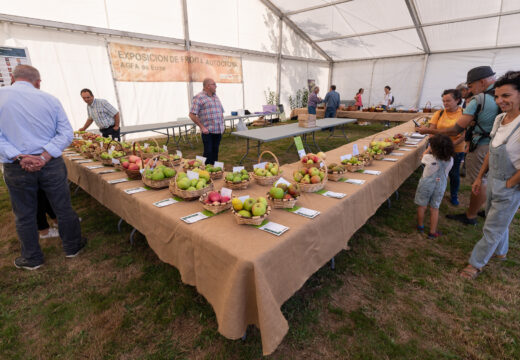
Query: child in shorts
437, 160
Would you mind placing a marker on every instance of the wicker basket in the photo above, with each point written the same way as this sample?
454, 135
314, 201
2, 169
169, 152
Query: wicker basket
255, 220
335, 176
427, 107
107, 162
282, 203
215, 209
188, 194
155, 184
308, 166
263, 180
238, 186
134, 174
354, 168
378, 156
216, 175
315, 187
186, 167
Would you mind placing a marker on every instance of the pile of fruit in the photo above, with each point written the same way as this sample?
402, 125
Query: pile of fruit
193, 164
354, 163
213, 169
250, 207
309, 175
132, 163
237, 177
152, 149
386, 147
184, 183
284, 192
161, 172
310, 159
336, 169
269, 170
214, 198
115, 155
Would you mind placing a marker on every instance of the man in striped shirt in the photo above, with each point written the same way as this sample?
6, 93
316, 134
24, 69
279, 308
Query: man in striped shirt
208, 114
103, 114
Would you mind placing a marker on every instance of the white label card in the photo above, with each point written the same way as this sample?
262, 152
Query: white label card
146, 145
226, 192
238, 168
73, 159
334, 195
101, 144
117, 181
260, 165
135, 190
141, 171
274, 228
85, 161
301, 153
355, 181
116, 161
322, 164
112, 148
345, 157
70, 154
410, 144
282, 181
190, 219
192, 175
243, 198
91, 167
202, 159
390, 159
365, 147
355, 149
165, 202
179, 153
308, 213
396, 154
372, 172
418, 136
404, 149
219, 164
106, 171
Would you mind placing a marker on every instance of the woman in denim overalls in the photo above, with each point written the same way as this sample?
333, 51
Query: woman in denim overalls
503, 191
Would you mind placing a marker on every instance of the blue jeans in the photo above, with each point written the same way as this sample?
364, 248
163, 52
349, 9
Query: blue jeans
330, 112
311, 109
211, 145
455, 175
23, 189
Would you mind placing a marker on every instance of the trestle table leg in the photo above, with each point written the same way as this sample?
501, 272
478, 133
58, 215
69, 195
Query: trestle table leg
333, 264
132, 236
247, 152
119, 224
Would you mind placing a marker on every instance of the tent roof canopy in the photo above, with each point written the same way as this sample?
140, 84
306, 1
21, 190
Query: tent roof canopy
364, 29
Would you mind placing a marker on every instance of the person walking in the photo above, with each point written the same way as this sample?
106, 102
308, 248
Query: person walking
103, 114
477, 119
359, 100
502, 163
313, 100
331, 102
207, 113
34, 131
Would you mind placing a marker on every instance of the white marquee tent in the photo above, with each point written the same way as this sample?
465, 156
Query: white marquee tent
418, 47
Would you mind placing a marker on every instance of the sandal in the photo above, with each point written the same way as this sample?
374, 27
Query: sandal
420, 228
500, 257
435, 235
470, 272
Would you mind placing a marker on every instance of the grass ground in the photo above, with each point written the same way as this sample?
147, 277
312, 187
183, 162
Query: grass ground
395, 295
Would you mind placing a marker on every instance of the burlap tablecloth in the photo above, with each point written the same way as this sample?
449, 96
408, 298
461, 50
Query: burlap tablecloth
320, 112
247, 274
380, 116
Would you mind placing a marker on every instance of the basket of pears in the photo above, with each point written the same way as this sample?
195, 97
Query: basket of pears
269, 173
191, 188
157, 176
283, 196
149, 151
250, 211
215, 172
237, 180
335, 171
353, 164
311, 179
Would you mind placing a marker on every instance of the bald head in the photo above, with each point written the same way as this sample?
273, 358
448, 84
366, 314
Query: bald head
27, 73
209, 86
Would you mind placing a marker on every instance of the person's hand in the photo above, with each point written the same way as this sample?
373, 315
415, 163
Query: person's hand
509, 183
81, 129
477, 184
422, 130
204, 130
116, 127
32, 163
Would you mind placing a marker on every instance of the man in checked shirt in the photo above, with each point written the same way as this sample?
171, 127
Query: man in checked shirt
103, 114
208, 114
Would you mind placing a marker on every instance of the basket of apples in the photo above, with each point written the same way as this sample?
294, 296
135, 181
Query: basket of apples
282, 196
353, 164
191, 189
311, 160
215, 202
251, 211
157, 176
193, 164
237, 180
311, 179
169, 160
151, 151
335, 171
270, 173
215, 172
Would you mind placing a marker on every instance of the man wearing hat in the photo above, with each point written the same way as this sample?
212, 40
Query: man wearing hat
478, 117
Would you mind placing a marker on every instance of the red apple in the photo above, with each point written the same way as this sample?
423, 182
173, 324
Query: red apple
304, 159
133, 158
287, 196
315, 179
315, 159
224, 199
214, 196
133, 167
125, 164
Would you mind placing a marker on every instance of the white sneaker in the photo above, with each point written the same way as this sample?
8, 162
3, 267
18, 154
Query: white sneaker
53, 232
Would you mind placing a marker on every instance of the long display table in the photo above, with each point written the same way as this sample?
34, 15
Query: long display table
246, 274
365, 115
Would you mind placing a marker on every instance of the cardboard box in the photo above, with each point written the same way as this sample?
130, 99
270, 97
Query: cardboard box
307, 120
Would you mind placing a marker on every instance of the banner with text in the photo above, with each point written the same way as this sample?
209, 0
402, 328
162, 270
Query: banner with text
136, 63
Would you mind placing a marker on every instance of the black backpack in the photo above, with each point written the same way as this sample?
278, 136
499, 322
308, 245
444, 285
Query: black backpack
481, 104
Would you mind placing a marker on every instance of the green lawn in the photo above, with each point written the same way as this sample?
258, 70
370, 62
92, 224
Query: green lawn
394, 295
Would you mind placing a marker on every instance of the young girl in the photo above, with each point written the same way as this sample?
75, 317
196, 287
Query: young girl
437, 160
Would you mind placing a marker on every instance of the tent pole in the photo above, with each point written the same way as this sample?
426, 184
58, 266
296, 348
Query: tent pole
121, 117
279, 61
371, 82
421, 84
187, 47
331, 68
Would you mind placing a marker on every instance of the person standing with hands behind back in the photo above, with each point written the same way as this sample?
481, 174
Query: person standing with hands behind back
313, 100
207, 113
103, 114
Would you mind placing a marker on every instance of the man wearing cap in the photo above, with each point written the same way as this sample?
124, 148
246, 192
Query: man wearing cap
478, 116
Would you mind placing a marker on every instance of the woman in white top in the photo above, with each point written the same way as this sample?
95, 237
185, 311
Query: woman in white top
389, 98
503, 164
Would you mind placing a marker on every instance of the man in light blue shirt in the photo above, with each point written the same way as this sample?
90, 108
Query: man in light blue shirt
331, 102
34, 130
